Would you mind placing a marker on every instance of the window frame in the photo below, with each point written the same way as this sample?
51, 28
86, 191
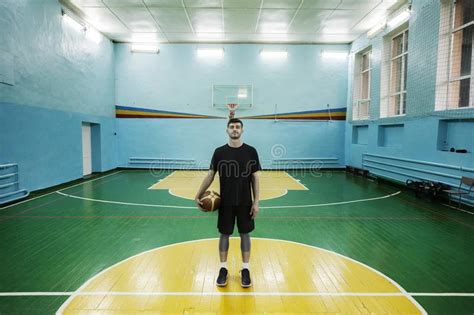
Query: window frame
443, 92
403, 56
357, 100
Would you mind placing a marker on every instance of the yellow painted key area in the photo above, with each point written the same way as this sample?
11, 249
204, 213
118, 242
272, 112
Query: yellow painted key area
184, 184
287, 277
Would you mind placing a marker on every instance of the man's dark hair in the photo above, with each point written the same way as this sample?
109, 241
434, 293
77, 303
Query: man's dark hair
235, 120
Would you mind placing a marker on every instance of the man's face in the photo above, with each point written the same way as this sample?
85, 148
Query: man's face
234, 130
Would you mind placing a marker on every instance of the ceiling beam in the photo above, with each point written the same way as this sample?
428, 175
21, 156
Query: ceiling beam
155, 20
116, 16
294, 16
258, 17
187, 17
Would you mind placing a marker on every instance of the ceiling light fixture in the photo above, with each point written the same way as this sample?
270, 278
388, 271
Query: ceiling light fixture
72, 22
376, 29
400, 18
145, 48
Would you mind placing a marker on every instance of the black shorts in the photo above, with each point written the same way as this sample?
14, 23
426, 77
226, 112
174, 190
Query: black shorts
226, 219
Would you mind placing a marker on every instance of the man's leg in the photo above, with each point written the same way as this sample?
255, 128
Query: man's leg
245, 245
245, 249
223, 250
246, 224
225, 224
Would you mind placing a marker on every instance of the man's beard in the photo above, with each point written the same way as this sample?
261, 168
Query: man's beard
233, 136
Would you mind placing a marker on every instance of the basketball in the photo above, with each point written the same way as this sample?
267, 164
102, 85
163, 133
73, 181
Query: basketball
210, 200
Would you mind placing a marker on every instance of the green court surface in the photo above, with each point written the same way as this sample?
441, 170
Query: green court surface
53, 244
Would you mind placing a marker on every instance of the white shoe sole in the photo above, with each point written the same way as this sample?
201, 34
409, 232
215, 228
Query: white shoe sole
222, 285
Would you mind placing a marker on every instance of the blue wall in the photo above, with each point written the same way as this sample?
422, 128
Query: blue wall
412, 146
176, 80
60, 80
47, 144
197, 138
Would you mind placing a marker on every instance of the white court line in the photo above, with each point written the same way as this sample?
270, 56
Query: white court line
261, 207
31, 199
261, 199
170, 191
402, 290
153, 293
444, 204
332, 203
17, 203
160, 180
297, 180
127, 203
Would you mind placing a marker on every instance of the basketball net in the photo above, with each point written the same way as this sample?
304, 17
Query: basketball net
232, 108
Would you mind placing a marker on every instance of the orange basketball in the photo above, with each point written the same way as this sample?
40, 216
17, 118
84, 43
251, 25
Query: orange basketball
210, 200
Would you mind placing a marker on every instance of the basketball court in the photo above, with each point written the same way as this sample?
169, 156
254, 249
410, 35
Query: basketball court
116, 238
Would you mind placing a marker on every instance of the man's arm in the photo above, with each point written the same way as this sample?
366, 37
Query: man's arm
204, 186
256, 194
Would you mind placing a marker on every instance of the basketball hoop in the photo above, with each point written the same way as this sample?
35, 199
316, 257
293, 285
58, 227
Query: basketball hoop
232, 108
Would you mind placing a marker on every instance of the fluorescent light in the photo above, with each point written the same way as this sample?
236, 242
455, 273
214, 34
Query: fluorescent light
335, 54
376, 29
400, 18
93, 35
210, 52
145, 48
72, 23
274, 54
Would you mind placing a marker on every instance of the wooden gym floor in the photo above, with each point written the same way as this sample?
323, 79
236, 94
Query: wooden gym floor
325, 243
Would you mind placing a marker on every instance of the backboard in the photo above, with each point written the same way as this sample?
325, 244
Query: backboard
240, 94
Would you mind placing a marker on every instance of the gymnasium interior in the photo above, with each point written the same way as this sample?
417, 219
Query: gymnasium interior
362, 114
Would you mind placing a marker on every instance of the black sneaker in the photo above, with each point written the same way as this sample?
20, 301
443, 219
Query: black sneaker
245, 281
222, 278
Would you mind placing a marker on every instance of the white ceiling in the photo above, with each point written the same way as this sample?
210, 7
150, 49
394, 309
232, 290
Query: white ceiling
233, 21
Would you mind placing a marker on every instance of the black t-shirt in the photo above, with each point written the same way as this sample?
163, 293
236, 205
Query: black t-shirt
235, 167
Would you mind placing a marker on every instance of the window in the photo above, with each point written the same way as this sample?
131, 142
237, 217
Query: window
455, 88
360, 109
393, 73
398, 74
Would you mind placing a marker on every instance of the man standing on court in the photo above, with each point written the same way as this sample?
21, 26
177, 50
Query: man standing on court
238, 166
